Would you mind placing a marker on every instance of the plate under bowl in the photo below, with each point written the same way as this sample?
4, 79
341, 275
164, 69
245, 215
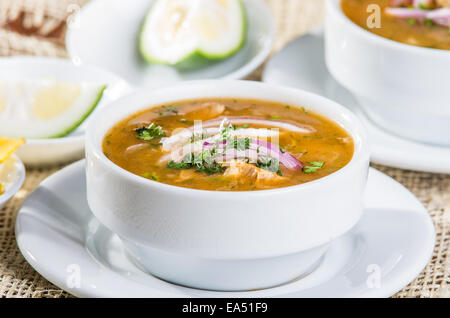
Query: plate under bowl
59, 236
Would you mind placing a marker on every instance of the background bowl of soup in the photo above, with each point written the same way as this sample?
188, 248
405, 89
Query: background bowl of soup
402, 87
219, 237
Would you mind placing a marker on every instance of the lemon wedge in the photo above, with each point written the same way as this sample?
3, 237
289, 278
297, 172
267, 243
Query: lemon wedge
176, 31
45, 108
8, 146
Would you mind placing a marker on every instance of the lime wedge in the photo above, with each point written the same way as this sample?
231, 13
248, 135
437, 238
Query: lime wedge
176, 31
45, 108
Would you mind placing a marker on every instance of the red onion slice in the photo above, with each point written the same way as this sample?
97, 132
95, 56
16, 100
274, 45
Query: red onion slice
304, 129
398, 3
274, 151
406, 13
261, 148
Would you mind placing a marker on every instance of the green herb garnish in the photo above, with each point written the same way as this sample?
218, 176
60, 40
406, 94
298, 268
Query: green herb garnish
269, 164
171, 109
235, 127
241, 143
179, 165
203, 162
152, 176
411, 21
149, 133
314, 166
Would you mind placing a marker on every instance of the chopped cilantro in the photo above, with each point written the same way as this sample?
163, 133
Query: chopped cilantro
167, 110
210, 168
203, 162
152, 176
171, 109
411, 21
314, 166
269, 164
241, 143
235, 127
423, 6
149, 133
179, 165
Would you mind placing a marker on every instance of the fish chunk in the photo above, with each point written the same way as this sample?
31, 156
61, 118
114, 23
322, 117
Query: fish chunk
247, 173
186, 175
205, 111
443, 3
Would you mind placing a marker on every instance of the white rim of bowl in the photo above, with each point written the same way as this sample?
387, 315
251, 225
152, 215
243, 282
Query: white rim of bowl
359, 153
242, 71
336, 6
19, 179
26, 58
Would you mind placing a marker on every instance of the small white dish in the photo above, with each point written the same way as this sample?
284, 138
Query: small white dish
105, 33
71, 147
403, 88
225, 240
301, 64
59, 236
15, 176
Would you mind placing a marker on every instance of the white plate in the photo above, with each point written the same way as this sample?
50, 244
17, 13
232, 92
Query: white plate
301, 64
16, 182
70, 147
60, 238
105, 32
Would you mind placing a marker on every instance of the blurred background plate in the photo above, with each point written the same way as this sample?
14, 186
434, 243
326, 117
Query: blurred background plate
301, 64
105, 33
71, 147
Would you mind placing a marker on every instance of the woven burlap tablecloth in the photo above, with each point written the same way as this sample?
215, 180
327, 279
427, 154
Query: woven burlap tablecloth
36, 27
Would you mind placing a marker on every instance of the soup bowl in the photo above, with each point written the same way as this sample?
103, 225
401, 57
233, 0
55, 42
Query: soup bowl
403, 88
222, 240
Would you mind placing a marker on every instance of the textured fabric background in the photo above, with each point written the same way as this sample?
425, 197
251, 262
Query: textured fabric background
36, 27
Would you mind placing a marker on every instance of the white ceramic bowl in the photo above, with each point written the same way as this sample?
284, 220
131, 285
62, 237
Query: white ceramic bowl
71, 147
225, 240
16, 182
403, 88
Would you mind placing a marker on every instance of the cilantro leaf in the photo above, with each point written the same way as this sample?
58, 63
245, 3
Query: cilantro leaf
314, 166
269, 164
149, 133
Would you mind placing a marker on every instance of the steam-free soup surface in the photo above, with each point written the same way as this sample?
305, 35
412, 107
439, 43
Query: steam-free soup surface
418, 32
242, 145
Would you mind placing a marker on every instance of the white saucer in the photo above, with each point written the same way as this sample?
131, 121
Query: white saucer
105, 32
60, 238
301, 64
71, 147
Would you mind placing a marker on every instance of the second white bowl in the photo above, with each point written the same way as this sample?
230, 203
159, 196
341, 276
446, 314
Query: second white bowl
403, 88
